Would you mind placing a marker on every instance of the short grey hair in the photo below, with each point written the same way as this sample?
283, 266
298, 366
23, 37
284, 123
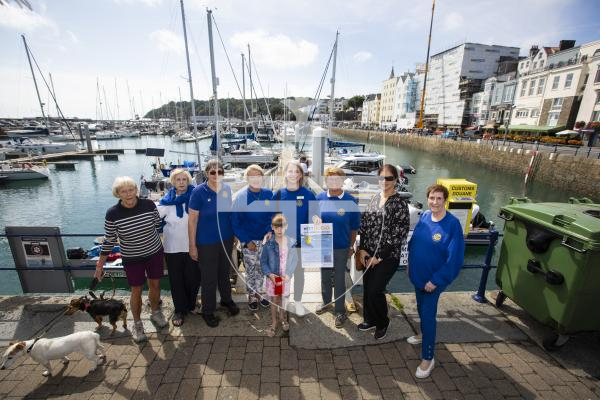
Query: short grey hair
121, 182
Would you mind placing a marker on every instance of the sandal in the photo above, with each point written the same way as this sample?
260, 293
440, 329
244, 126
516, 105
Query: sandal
177, 319
285, 326
271, 331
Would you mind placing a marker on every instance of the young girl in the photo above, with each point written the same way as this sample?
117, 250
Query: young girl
278, 261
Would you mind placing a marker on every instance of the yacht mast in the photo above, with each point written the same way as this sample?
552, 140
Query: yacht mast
35, 82
244, 91
187, 57
214, 80
420, 123
332, 99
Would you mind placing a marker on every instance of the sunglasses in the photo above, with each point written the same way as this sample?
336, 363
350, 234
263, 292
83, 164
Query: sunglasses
386, 178
220, 172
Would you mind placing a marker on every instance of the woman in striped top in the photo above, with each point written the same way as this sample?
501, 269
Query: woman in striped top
133, 223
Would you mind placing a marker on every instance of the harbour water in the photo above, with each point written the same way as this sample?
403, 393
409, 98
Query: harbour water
76, 201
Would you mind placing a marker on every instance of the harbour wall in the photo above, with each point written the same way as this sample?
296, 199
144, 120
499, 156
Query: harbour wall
564, 172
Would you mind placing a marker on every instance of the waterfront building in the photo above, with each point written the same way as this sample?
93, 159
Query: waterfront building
322, 106
388, 101
502, 99
550, 82
370, 110
589, 110
455, 75
408, 97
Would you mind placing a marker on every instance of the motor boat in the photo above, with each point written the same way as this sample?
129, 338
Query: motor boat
40, 146
23, 171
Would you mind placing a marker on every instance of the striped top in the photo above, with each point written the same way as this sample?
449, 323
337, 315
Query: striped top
134, 229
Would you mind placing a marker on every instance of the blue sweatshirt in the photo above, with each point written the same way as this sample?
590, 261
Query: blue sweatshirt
297, 200
251, 218
343, 213
212, 228
436, 251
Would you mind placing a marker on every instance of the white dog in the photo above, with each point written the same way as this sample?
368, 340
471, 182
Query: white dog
46, 350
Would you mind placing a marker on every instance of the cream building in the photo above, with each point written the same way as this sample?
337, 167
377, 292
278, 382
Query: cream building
388, 102
589, 110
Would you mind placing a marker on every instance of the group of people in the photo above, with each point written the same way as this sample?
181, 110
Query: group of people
202, 224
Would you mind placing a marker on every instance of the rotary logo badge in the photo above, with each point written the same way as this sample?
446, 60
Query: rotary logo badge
341, 212
267, 202
225, 195
299, 203
437, 237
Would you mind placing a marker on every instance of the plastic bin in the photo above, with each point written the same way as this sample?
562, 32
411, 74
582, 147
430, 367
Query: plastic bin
550, 264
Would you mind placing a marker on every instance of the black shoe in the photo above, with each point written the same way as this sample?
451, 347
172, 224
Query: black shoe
211, 320
265, 303
232, 308
365, 326
380, 333
253, 305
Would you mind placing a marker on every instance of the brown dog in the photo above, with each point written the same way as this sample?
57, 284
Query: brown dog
97, 308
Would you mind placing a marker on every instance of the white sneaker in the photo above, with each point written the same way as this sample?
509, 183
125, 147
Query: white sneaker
299, 309
422, 374
138, 332
414, 340
159, 319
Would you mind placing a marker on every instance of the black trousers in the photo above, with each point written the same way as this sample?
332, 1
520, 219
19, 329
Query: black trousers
184, 277
214, 262
375, 280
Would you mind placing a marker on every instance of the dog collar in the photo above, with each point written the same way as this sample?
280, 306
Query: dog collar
32, 344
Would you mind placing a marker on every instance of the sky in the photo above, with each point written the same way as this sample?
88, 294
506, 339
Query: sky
101, 48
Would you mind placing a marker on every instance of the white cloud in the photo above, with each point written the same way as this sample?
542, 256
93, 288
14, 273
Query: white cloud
453, 21
276, 50
362, 56
23, 19
73, 37
150, 3
168, 41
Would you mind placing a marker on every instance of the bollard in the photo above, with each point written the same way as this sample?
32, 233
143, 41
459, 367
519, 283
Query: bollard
480, 295
88, 139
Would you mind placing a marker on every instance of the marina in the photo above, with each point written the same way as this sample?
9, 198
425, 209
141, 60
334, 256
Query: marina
437, 239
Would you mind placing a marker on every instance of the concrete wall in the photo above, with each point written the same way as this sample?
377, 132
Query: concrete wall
567, 173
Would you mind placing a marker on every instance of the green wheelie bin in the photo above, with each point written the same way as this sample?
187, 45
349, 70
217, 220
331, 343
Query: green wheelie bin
549, 264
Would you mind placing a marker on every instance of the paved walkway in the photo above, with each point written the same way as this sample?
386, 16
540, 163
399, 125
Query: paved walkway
197, 362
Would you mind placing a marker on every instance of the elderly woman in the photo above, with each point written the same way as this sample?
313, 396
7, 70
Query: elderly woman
184, 276
211, 240
340, 209
251, 220
435, 257
383, 229
294, 200
133, 223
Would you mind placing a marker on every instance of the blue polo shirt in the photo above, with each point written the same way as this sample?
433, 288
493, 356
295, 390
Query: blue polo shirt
343, 212
251, 218
211, 230
298, 200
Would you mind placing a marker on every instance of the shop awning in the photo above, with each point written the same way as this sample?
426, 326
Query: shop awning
532, 128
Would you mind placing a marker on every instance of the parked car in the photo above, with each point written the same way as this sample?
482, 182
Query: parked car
449, 135
472, 133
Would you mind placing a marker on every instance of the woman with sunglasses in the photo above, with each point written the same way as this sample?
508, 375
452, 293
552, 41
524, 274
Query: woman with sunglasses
383, 229
211, 240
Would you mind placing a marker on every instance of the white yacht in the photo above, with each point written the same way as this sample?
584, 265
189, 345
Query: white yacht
23, 171
108, 135
40, 146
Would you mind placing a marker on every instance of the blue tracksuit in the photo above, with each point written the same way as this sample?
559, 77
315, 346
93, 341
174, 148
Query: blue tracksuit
435, 254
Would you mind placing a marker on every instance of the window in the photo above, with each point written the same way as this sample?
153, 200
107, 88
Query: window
527, 64
532, 87
475, 72
568, 81
555, 82
535, 113
596, 116
494, 115
509, 93
597, 78
541, 63
477, 59
523, 88
535, 65
598, 98
553, 118
586, 79
522, 113
557, 103
541, 83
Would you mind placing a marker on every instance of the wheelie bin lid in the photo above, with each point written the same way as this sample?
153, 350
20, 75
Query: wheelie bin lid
577, 221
